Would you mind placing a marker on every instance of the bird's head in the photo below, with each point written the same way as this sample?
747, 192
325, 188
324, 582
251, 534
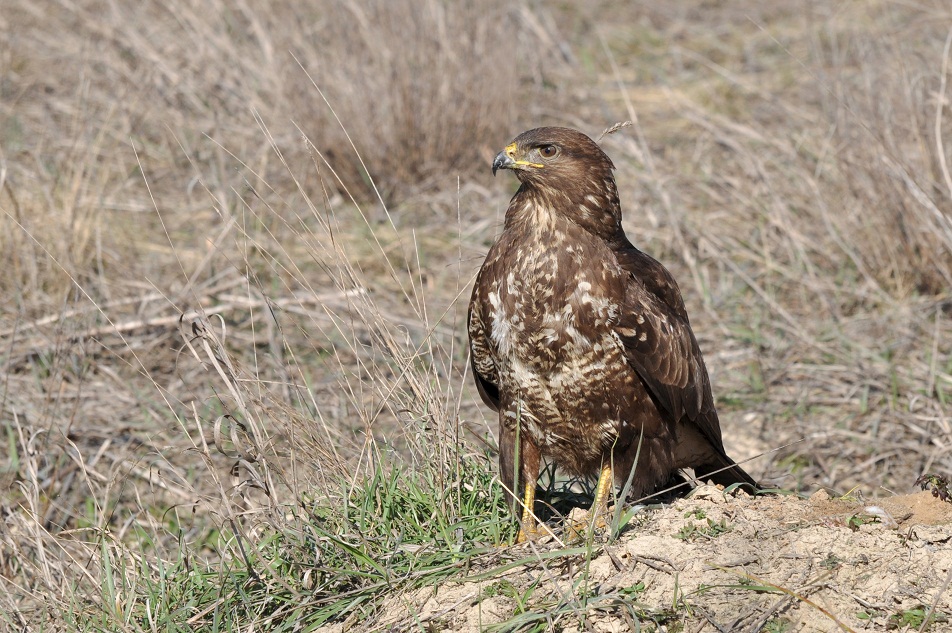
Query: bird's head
552, 153
567, 172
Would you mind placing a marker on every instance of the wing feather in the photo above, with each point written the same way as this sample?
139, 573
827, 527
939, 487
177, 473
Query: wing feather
660, 345
480, 351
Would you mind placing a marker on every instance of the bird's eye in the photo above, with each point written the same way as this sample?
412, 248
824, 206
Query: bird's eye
548, 151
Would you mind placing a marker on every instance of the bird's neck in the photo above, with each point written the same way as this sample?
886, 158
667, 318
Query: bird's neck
533, 209
595, 209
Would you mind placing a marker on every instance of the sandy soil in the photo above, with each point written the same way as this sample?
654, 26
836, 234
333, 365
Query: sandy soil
774, 563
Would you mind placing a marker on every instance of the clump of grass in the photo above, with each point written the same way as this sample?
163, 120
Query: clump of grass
693, 530
432, 83
330, 559
919, 618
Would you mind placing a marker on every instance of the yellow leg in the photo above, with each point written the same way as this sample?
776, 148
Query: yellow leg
605, 482
530, 524
595, 517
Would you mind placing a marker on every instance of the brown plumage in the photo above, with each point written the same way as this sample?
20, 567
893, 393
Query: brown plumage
581, 341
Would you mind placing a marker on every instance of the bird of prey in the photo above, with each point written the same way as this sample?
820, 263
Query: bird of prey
581, 342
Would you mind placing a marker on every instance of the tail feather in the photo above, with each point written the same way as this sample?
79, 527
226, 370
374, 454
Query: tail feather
726, 474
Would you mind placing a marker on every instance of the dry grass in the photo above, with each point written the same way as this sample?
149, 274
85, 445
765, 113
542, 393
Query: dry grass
789, 164
813, 193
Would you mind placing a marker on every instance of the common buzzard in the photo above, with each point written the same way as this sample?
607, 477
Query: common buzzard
581, 341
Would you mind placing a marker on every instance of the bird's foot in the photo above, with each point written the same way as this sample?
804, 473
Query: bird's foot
535, 533
582, 523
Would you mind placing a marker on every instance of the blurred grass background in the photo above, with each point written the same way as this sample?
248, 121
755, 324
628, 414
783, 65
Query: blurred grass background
312, 177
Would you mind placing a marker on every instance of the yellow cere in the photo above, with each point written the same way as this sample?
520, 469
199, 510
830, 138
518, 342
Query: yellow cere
511, 153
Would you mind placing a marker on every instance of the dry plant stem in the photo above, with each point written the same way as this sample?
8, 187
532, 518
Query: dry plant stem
791, 593
926, 621
941, 102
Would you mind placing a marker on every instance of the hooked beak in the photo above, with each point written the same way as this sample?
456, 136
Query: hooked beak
506, 159
503, 161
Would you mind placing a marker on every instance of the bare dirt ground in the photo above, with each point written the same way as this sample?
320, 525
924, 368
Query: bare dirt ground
817, 564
